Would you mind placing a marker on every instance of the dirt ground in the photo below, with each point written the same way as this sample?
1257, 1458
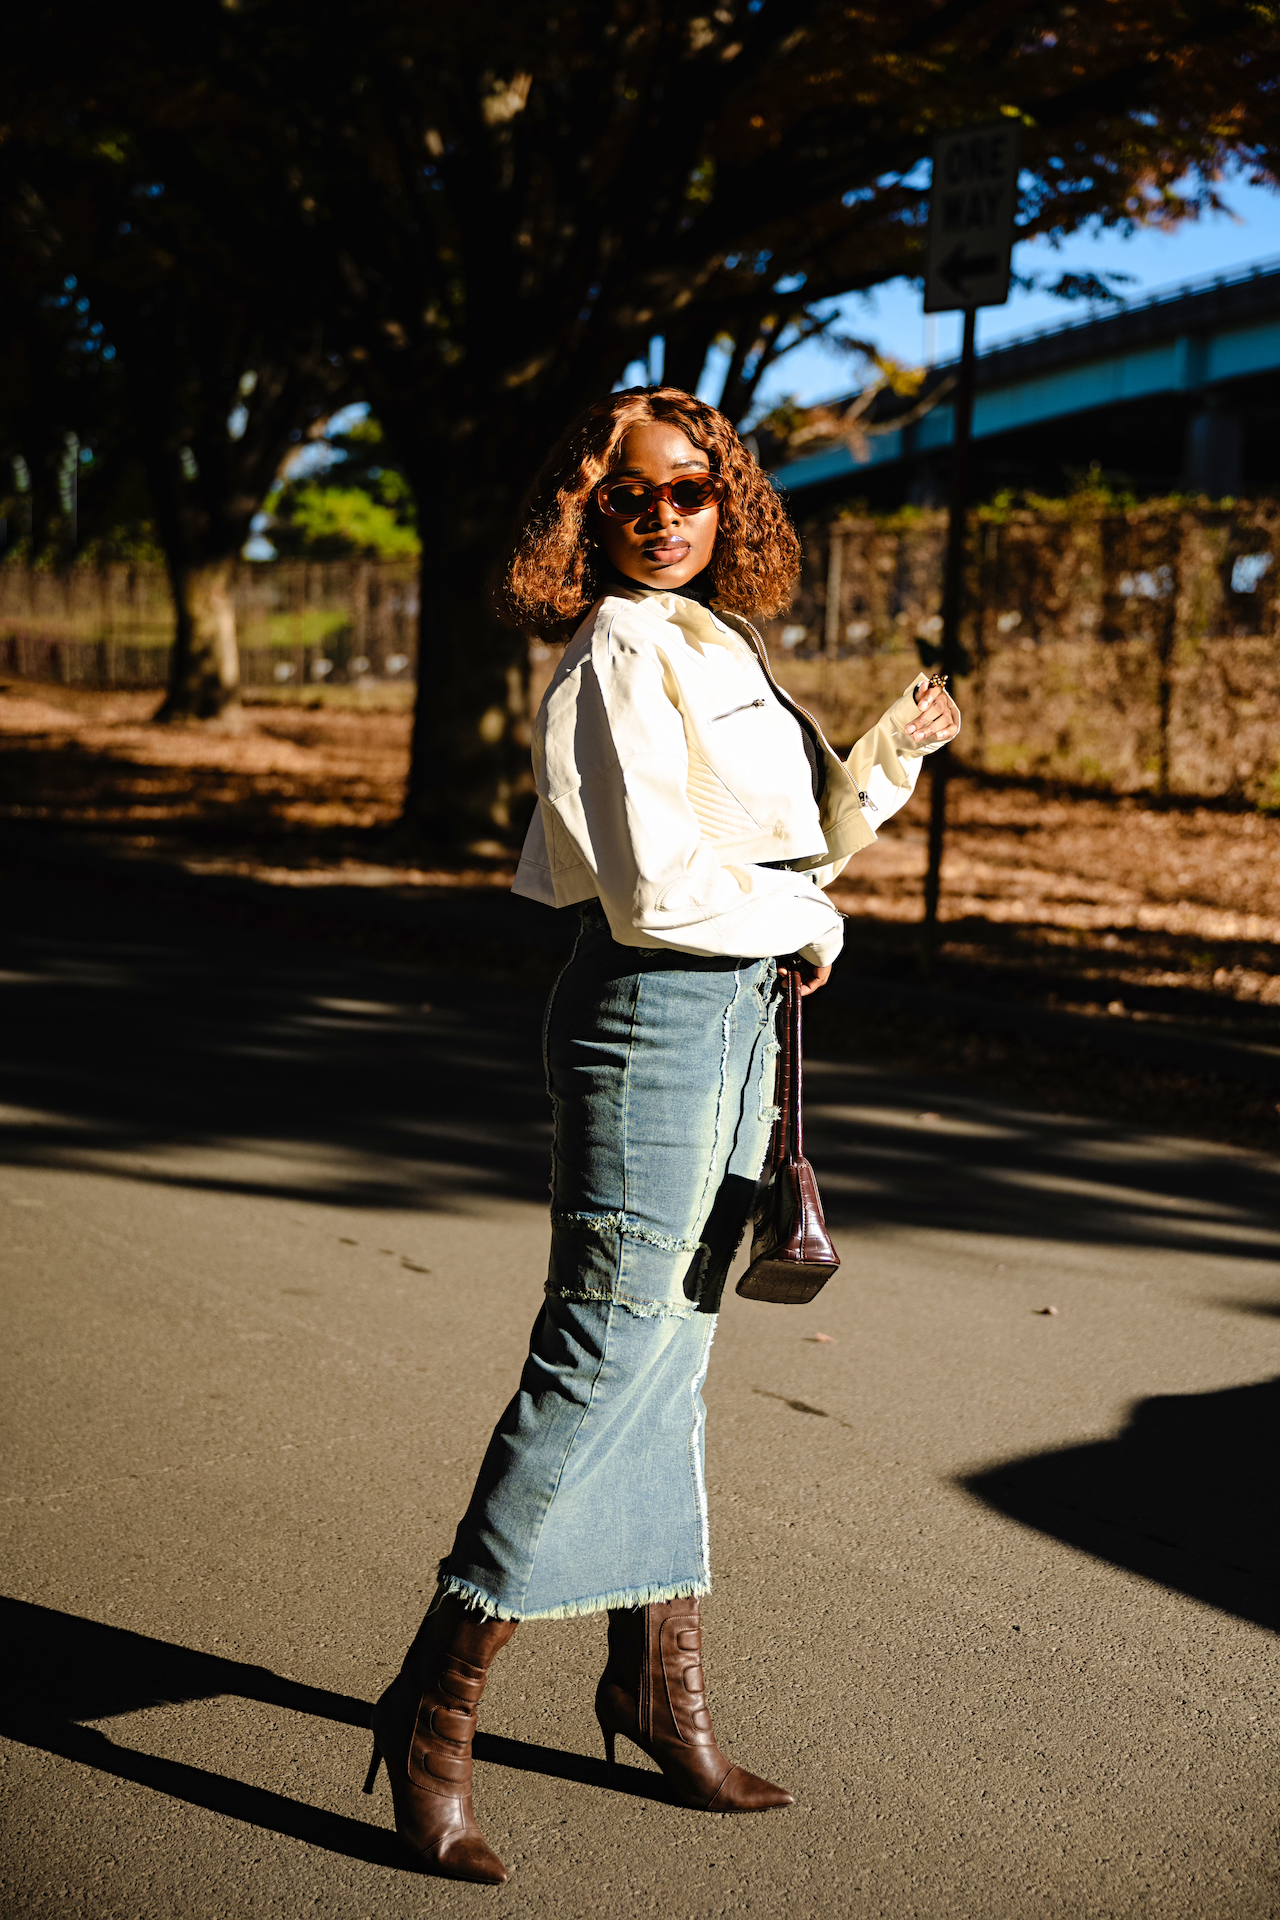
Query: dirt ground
1125, 908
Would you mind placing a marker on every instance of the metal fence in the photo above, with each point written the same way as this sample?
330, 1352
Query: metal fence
1123, 650
299, 624
1126, 649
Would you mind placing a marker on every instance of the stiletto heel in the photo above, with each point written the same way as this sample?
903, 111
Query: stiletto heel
610, 1743
423, 1727
652, 1690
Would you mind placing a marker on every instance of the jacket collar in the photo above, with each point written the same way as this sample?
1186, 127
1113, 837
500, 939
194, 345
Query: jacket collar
698, 623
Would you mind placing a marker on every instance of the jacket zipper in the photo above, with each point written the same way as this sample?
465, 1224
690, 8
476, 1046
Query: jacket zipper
763, 656
729, 712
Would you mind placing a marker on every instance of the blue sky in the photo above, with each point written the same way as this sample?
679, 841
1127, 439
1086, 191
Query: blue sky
892, 317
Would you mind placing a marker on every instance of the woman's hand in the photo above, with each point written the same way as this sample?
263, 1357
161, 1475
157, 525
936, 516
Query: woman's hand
811, 977
938, 717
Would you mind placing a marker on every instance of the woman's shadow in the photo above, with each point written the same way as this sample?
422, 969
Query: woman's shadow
64, 1671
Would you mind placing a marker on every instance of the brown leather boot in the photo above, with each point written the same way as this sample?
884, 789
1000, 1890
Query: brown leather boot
652, 1690
423, 1727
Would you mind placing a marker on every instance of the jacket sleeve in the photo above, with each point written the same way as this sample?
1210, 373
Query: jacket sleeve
885, 764
628, 814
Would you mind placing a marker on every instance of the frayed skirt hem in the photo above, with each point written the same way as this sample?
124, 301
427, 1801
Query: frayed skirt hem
476, 1597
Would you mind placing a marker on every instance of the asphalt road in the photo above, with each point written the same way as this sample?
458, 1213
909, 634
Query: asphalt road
996, 1589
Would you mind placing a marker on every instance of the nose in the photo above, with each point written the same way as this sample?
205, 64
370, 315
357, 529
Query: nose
661, 515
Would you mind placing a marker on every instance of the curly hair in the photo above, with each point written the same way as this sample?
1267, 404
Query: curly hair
557, 568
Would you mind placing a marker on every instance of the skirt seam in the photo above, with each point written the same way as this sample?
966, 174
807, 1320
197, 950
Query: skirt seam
696, 1466
726, 1036
627, 1228
639, 1307
564, 1458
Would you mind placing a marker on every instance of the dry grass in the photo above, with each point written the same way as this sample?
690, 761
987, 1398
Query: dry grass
1078, 901
1126, 909
290, 794
1124, 892
96, 759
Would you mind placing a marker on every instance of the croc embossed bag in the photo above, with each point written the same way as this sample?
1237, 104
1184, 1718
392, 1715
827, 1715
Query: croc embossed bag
791, 1252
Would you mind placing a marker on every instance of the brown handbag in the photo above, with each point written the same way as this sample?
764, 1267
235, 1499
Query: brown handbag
791, 1252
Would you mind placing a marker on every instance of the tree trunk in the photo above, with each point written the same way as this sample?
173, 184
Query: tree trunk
204, 677
470, 784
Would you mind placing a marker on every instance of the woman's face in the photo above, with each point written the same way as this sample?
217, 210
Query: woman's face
662, 548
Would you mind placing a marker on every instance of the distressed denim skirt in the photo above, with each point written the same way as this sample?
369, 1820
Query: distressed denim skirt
661, 1070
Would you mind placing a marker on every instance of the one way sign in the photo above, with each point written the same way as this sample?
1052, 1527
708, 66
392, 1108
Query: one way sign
971, 208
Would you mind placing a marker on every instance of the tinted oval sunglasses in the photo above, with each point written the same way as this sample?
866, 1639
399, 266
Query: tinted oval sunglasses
630, 499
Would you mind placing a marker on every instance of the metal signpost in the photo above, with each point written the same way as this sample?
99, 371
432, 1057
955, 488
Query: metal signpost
971, 207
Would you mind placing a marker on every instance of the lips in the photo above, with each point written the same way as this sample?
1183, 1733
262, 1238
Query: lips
666, 551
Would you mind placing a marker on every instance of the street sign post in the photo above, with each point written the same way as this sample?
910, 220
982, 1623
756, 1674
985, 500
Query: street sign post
970, 238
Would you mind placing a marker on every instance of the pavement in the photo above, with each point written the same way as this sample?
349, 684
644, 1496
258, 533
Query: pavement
996, 1588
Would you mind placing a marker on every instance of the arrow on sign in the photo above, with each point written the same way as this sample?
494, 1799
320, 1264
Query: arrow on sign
959, 266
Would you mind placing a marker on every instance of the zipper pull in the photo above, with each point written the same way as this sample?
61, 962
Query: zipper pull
865, 800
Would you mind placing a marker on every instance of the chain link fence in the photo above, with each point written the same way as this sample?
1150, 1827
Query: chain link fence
1121, 649
1117, 649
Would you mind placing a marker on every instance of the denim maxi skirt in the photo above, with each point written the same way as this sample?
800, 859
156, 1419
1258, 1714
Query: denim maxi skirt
661, 1070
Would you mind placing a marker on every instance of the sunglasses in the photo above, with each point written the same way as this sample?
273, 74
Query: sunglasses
630, 499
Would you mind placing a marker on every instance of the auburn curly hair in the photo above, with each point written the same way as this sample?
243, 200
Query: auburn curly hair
557, 569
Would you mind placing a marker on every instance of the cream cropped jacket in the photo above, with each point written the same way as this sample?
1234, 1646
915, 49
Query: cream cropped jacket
673, 782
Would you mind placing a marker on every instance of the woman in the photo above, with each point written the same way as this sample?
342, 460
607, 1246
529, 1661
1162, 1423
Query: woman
693, 814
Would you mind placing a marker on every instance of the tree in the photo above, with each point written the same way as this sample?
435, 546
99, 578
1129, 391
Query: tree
218, 365
64, 432
515, 198
499, 206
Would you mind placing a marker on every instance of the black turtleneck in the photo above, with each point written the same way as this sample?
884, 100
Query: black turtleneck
701, 588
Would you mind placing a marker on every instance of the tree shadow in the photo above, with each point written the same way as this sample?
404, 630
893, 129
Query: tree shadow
1183, 1496
64, 1670
138, 1023
132, 1028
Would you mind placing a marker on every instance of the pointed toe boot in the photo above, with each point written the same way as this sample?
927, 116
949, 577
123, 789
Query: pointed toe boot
423, 1727
653, 1691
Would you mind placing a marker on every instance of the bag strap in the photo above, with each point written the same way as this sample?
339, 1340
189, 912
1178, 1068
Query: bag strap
788, 1130
795, 1066
782, 1086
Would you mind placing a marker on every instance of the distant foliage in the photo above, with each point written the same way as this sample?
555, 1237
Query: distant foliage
362, 507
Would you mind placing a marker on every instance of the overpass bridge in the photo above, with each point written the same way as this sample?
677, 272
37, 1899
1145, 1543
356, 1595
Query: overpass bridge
1177, 390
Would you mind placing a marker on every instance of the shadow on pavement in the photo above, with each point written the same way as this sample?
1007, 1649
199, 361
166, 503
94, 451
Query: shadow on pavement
65, 1670
150, 1047
1184, 1496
